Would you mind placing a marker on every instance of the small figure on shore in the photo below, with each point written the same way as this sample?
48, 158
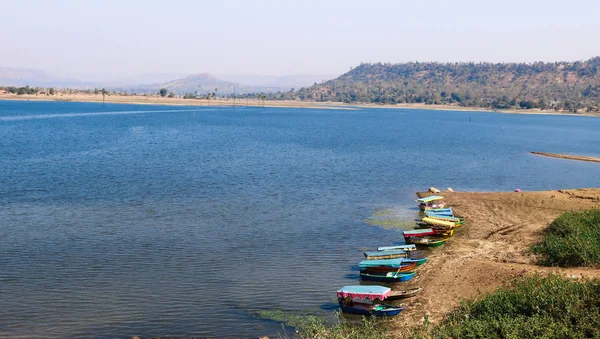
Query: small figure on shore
518, 190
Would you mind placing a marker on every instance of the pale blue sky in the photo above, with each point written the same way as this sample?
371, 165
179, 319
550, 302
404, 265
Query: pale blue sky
111, 39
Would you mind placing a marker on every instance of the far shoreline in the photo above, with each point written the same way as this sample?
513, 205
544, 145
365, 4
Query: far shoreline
226, 102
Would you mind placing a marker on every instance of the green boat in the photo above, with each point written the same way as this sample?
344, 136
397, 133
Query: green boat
427, 241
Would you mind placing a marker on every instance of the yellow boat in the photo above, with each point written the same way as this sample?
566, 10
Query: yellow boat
440, 223
459, 221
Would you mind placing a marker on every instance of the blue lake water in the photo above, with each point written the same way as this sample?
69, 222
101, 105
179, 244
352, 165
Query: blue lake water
122, 220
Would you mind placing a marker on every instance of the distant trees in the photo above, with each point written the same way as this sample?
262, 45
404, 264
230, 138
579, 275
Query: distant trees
51, 91
163, 92
572, 86
527, 104
171, 95
20, 90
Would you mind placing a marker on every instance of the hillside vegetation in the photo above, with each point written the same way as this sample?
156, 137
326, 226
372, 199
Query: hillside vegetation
570, 86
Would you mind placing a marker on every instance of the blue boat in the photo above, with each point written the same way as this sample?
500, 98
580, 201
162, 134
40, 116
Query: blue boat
440, 211
387, 277
445, 217
407, 247
378, 310
366, 300
394, 263
369, 309
429, 199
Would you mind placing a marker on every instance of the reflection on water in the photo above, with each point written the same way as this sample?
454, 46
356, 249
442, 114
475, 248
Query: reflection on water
122, 220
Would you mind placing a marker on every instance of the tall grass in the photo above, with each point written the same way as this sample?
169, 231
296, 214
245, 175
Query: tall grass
573, 239
536, 307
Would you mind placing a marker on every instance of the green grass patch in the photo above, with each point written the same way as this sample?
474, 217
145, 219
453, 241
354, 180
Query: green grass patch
535, 307
573, 239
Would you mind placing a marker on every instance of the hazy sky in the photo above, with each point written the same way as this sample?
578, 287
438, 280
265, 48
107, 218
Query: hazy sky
112, 39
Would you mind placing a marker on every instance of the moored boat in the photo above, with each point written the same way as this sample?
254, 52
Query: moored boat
440, 223
427, 241
366, 300
446, 212
392, 254
431, 202
407, 247
418, 232
456, 220
405, 268
387, 276
418, 261
443, 232
408, 293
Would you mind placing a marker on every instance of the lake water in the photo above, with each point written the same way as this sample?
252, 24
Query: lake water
122, 220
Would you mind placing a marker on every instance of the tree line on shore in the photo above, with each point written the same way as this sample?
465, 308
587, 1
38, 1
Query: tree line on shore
562, 86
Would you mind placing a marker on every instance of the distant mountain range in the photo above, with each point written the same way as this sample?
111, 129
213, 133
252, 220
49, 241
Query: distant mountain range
24, 76
176, 83
286, 81
201, 83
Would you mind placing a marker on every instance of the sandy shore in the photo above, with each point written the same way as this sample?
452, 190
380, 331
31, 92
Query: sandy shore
567, 156
491, 249
156, 100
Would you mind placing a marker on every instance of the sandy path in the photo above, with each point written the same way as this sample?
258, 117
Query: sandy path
567, 156
491, 249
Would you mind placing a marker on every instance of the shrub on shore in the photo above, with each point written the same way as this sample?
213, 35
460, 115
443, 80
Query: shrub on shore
536, 307
573, 239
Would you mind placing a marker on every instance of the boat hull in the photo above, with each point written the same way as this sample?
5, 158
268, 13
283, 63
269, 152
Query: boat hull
388, 311
396, 295
407, 247
395, 278
456, 220
439, 223
405, 268
378, 255
429, 242
419, 261
432, 207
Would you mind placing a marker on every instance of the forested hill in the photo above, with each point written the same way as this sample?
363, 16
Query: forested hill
572, 86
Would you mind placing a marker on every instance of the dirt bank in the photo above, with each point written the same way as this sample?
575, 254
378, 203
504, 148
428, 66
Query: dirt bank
491, 249
566, 156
